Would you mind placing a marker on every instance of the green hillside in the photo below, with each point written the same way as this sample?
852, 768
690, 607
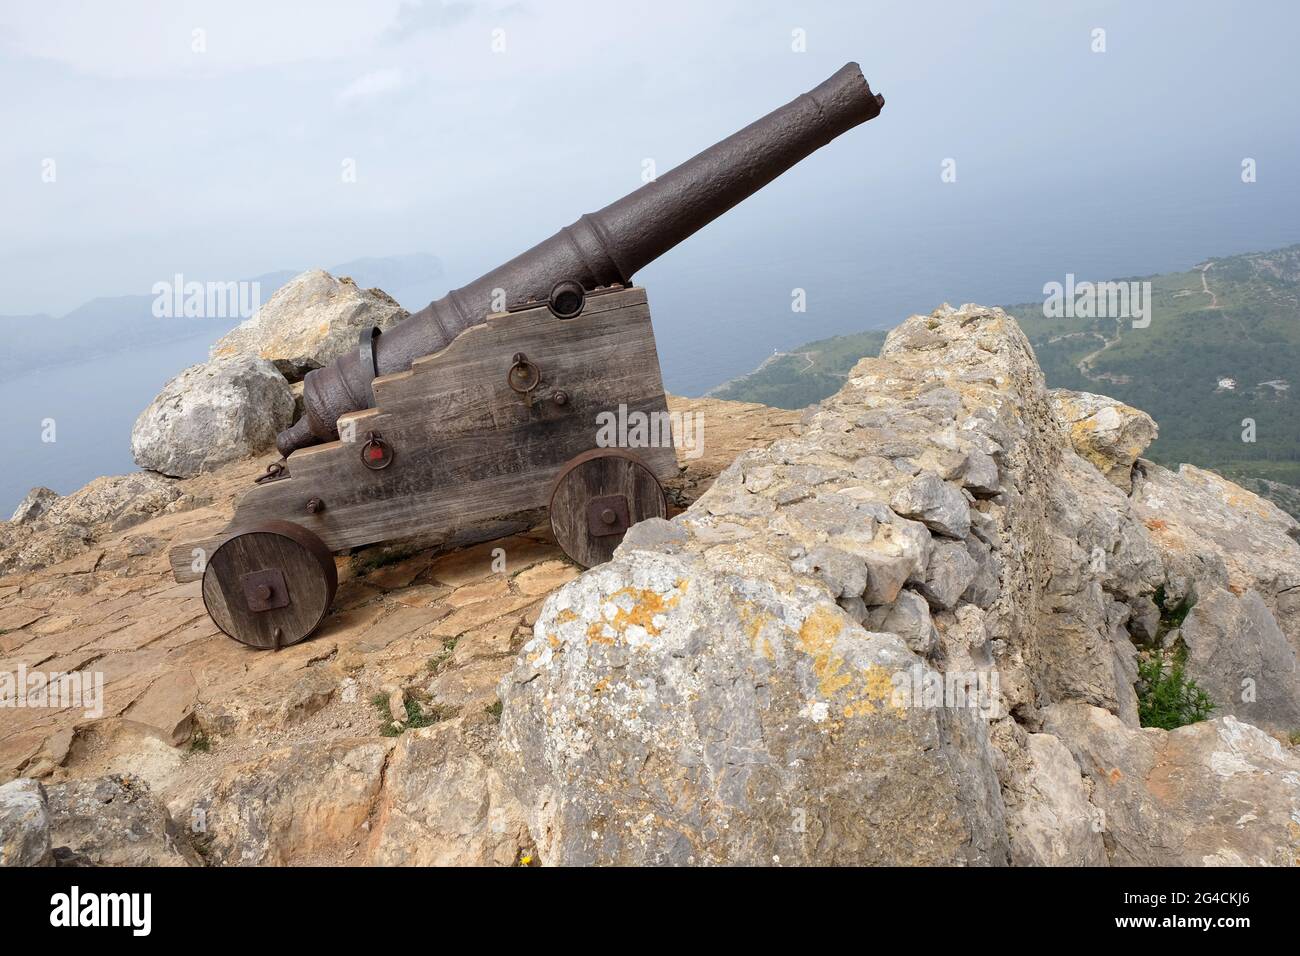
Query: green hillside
804, 376
1235, 319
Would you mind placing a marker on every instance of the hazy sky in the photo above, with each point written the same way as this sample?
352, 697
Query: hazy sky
220, 153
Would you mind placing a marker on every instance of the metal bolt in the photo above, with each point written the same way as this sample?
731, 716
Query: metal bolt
315, 506
608, 516
264, 592
561, 397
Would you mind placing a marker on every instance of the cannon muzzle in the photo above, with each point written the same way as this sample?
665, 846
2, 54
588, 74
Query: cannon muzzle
600, 249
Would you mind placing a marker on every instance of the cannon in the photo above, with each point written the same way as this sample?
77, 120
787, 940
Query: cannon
486, 402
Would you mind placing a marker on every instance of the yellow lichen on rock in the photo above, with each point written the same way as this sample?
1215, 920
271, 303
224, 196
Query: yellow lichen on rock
863, 690
817, 637
753, 619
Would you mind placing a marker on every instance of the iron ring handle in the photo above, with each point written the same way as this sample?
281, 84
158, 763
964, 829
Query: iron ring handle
522, 365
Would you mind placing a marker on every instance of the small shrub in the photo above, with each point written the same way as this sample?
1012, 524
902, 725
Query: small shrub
200, 742
444, 655
1167, 698
416, 716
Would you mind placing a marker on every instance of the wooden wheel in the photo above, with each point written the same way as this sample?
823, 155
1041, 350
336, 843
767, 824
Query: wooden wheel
270, 586
596, 497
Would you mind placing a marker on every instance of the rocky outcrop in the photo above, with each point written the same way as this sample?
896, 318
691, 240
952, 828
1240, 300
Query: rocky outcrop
114, 821
1232, 558
211, 414
1215, 793
35, 504
290, 805
69, 525
444, 803
114, 503
1105, 432
668, 713
791, 643
309, 322
1239, 655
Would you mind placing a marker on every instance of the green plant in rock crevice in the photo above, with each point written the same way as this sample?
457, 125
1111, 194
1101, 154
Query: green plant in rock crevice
1167, 698
416, 716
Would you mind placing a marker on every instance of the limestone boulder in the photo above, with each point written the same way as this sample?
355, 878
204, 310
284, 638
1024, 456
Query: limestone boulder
1215, 793
668, 712
309, 322
1106, 432
211, 414
1239, 656
936, 503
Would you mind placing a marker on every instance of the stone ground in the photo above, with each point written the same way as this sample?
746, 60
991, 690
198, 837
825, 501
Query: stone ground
184, 704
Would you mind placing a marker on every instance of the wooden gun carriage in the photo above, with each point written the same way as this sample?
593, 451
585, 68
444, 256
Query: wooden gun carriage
461, 415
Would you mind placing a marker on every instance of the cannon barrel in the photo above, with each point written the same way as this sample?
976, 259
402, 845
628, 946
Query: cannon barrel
600, 249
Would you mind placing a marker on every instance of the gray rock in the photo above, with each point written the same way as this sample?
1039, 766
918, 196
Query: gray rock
1106, 432
212, 414
1144, 618
1215, 793
116, 821
654, 534
909, 618
845, 574
984, 587
1240, 657
443, 803
667, 712
931, 500
309, 322
980, 473
951, 571
24, 824
1050, 819
36, 503
886, 575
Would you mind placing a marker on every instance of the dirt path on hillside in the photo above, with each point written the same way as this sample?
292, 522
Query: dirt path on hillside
1205, 286
1084, 365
